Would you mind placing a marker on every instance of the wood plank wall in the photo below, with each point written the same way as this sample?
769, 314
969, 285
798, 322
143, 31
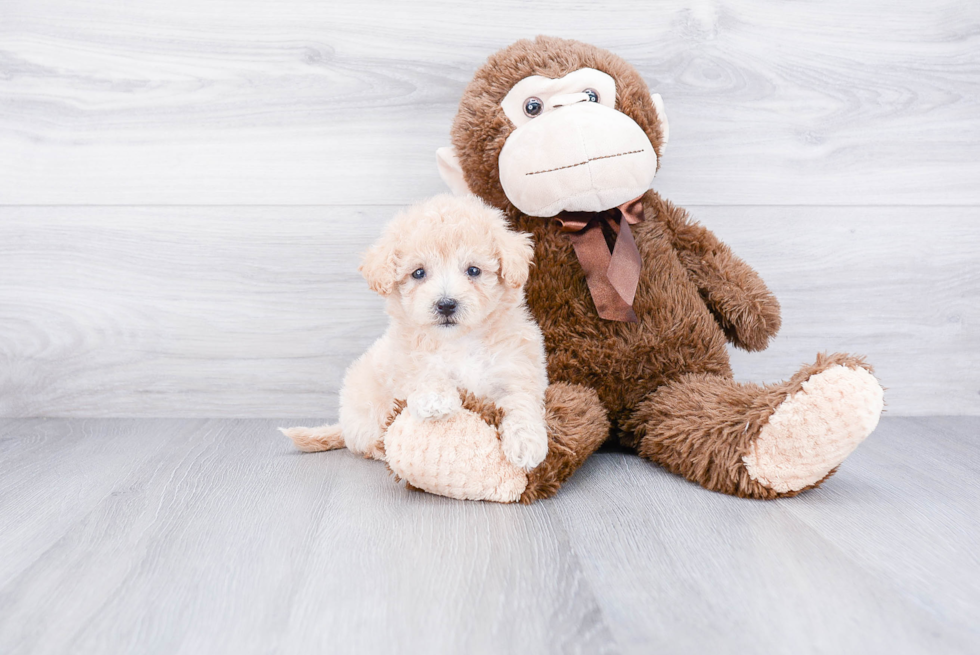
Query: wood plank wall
185, 186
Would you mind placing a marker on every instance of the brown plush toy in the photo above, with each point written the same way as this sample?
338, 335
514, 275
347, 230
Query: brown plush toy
636, 301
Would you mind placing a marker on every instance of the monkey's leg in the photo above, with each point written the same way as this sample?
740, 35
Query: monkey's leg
577, 426
760, 441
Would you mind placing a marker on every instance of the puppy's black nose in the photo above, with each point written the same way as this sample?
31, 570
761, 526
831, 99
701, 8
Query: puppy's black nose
446, 306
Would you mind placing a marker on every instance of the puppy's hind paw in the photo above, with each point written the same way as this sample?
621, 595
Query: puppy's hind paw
433, 405
525, 445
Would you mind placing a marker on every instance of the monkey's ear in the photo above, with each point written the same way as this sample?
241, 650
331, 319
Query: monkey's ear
658, 104
515, 251
379, 265
450, 171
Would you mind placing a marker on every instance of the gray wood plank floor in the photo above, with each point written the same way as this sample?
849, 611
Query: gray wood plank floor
213, 536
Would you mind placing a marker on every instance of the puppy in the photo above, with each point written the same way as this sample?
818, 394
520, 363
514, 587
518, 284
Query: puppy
453, 276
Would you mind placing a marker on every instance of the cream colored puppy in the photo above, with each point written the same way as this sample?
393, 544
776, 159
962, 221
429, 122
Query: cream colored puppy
452, 273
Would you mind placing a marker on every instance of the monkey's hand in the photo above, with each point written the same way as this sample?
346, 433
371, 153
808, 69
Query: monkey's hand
737, 297
741, 303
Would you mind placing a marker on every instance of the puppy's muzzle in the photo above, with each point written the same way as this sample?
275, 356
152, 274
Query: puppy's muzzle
446, 306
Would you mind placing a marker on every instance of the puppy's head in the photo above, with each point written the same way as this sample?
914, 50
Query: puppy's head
448, 263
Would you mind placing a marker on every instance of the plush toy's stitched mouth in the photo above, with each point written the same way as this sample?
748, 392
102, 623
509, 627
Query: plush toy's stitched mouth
583, 163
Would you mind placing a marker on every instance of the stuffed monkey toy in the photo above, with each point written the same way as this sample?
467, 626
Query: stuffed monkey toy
635, 300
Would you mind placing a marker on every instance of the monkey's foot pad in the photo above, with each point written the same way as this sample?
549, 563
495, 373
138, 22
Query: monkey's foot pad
813, 430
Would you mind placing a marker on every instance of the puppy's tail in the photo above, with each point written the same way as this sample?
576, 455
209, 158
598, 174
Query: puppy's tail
313, 440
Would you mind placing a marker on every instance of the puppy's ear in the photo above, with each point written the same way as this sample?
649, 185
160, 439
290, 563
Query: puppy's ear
380, 264
515, 250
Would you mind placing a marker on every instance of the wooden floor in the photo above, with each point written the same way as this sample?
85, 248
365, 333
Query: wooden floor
213, 536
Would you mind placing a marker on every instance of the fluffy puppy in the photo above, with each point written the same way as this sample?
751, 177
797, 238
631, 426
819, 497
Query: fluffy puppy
453, 276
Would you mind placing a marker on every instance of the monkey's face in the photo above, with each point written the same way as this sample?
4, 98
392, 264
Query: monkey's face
555, 125
571, 150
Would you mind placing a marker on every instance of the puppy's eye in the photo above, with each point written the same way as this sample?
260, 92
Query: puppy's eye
418, 273
593, 95
533, 106
473, 271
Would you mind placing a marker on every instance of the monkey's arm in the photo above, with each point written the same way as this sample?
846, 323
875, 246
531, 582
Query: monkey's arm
740, 301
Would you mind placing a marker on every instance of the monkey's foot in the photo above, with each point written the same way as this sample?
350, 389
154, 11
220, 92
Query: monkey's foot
814, 429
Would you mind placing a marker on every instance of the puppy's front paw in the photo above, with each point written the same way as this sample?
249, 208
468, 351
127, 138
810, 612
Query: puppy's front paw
525, 443
433, 405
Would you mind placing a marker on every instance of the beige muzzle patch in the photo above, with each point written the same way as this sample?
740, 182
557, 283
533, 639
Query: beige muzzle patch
583, 157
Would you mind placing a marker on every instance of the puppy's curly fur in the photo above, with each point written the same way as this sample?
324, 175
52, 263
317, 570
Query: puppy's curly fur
452, 273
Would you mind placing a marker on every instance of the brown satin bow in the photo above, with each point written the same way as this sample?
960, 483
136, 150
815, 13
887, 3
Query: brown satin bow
612, 277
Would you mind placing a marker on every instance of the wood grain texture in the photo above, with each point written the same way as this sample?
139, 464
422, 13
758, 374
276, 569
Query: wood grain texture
182, 311
213, 536
256, 311
218, 537
307, 102
877, 560
900, 285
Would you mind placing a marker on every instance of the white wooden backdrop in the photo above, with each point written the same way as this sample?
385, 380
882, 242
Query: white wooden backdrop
185, 185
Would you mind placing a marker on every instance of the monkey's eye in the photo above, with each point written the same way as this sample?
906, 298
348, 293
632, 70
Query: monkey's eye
473, 271
593, 95
418, 273
533, 106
